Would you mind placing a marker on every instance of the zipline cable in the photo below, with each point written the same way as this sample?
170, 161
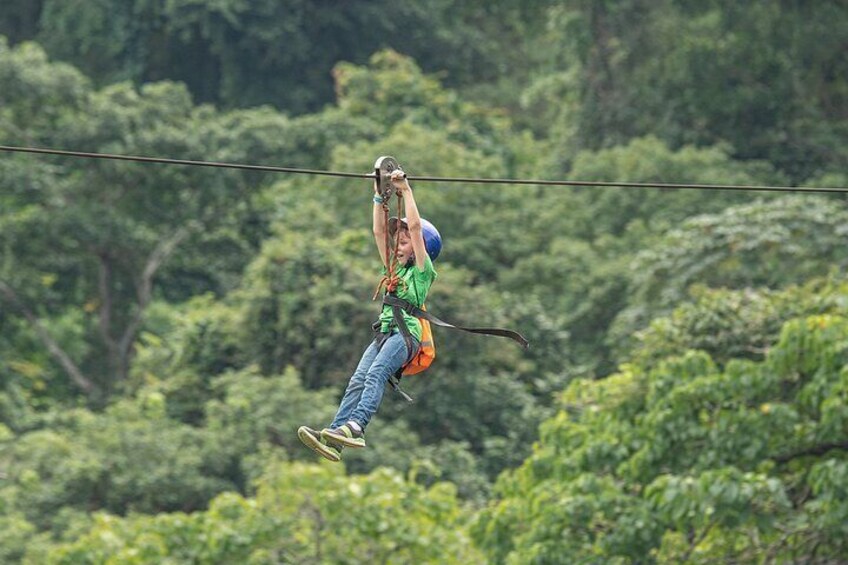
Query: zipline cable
537, 182
164, 161
621, 184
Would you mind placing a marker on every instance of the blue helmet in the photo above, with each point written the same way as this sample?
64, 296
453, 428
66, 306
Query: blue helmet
432, 238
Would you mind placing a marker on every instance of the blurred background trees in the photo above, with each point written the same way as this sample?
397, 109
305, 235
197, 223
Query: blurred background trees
164, 330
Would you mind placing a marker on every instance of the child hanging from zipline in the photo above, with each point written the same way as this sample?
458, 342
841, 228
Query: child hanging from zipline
408, 274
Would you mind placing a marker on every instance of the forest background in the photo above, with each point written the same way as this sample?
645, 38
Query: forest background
164, 330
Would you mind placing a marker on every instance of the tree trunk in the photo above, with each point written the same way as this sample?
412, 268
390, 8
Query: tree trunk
144, 293
53, 348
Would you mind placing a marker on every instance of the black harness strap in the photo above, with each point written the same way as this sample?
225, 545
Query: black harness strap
399, 304
411, 348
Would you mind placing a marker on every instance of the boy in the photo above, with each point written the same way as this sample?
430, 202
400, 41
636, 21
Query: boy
418, 245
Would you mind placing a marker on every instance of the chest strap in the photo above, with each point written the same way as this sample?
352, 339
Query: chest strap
397, 303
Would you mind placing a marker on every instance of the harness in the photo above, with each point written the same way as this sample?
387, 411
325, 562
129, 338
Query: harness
399, 305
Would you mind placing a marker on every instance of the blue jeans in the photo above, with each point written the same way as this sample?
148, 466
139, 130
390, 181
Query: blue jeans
365, 390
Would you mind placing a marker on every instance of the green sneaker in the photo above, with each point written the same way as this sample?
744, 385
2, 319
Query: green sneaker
313, 440
344, 435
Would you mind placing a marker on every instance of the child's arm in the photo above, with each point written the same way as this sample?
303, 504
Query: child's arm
413, 219
380, 228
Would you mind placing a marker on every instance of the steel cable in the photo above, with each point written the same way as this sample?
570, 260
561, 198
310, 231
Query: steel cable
464, 180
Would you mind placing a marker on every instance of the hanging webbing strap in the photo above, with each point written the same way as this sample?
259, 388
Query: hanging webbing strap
411, 309
411, 349
394, 381
408, 338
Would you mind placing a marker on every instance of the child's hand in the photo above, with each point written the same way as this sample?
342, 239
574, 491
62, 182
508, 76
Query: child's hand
399, 181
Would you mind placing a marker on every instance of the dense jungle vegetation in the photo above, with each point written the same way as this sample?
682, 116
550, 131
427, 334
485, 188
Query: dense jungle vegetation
164, 330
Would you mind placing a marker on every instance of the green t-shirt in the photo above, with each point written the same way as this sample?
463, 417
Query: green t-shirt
415, 291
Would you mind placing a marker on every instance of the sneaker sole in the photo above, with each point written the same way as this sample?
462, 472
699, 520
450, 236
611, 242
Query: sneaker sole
327, 435
307, 438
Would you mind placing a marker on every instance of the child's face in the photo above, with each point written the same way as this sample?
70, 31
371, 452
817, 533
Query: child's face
405, 251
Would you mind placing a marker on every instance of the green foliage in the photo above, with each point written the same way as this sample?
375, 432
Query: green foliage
129, 458
392, 89
303, 299
735, 324
133, 458
765, 77
301, 513
16, 532
164, 330
244, 54
614, 211
254, 414
578, 258
97, 238
686, 462
768, 244
36, 94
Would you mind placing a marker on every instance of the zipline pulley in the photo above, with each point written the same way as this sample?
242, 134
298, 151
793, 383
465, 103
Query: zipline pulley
383, 168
